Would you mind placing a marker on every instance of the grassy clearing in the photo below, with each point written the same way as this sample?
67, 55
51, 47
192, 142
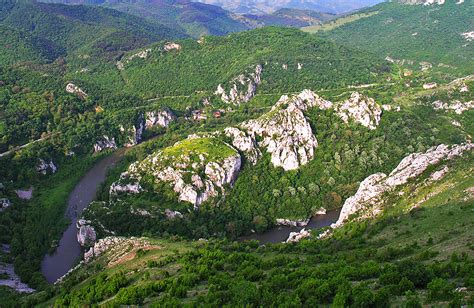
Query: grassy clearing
337, 22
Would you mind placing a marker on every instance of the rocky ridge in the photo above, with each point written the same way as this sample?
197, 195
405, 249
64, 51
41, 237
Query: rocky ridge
369, 196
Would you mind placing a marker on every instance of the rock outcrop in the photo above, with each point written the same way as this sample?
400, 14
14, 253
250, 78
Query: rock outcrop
104, 144
360, 109
244, 143
143, 54
456, 106
295, 237
161, 118
86, 235
285, 131
292, 223
73, 89
372, 189
134, 133
45, 167
468, 36
242, 88
195, 174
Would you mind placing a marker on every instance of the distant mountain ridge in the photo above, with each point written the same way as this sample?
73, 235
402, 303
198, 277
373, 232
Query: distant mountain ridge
269, 6
197, 19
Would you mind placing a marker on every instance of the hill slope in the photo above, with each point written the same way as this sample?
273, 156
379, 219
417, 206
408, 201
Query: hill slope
403, 32
66, 29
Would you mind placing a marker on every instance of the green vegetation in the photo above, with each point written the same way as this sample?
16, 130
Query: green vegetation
337, 22
402, 32
403, 257
211, 148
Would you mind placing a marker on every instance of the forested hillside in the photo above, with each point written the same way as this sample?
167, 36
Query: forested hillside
410, 34
356, 152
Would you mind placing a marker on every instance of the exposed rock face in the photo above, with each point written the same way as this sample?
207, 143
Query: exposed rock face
102, 246
361, 109
104, 144
135, 133
244, 143
130, 188
295, 237
86, 235
161, 118
468, 36
73, 89
194, 175
117, 249
292, 223
141, 54
286, 133
371, 190
456, 106
171, 46
44, 168
242, 88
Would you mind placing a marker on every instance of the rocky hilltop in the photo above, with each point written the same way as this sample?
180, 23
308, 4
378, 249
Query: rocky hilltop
197, 169
370, 194
200, 167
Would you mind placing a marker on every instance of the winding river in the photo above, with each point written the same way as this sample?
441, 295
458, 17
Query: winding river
68, 252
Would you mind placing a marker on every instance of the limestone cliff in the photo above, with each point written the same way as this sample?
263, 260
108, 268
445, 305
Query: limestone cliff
371, 190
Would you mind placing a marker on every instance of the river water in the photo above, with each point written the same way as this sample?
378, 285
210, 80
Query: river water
68, 251
280, 234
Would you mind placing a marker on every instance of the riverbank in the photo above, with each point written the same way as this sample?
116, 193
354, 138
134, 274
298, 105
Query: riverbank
281, 233
68, 251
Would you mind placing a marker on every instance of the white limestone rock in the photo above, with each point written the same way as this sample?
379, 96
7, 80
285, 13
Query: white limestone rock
457, 106
244, 143
242, 88
73, 89
172, 46
45, 167
371, 190
292, 223
360, 109
193, 175
295, 237
161, 118
104, 144
86, 235
468, 36
142, 54
286, 133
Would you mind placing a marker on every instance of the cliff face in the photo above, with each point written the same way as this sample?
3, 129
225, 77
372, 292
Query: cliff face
371, 190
